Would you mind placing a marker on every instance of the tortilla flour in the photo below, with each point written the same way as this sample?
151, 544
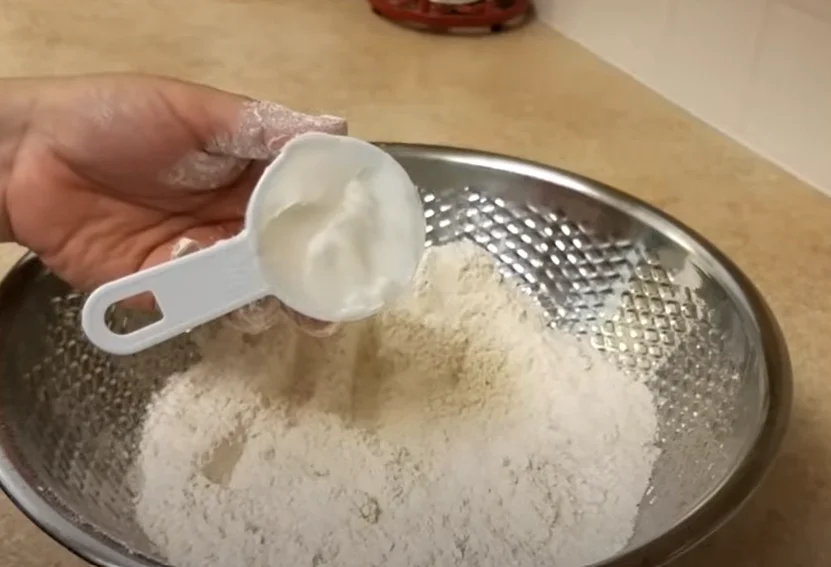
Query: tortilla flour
453, 429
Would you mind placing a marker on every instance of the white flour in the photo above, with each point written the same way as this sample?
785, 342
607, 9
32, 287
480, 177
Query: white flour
454, 429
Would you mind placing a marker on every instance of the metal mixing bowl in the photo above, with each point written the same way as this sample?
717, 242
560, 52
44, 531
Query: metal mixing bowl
653, 296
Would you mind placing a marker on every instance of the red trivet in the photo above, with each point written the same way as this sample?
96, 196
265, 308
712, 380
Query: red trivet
447, 14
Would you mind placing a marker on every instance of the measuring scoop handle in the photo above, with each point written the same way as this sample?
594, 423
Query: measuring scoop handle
189, 291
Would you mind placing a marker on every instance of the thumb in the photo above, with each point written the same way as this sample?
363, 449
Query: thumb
233, 130
261, 128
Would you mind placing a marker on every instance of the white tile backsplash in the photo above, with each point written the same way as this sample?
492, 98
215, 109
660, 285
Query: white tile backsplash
759, 70
818, 8
628, 33
789, 104
716, 39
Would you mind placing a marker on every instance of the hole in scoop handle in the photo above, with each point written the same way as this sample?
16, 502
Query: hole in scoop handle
189, 291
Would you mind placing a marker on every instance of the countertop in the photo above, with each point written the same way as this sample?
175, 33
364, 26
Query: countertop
529, 93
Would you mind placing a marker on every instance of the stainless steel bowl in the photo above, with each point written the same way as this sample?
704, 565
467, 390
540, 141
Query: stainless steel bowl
653, 296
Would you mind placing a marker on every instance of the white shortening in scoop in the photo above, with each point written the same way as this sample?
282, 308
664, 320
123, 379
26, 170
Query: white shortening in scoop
334, 229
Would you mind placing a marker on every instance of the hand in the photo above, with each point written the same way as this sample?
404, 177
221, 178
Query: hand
112, 173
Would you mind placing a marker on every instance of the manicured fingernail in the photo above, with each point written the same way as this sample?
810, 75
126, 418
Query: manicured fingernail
183, 247
263, 125
334, 124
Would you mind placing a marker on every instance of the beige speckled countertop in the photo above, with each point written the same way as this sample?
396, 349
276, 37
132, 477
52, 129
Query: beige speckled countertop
530, 93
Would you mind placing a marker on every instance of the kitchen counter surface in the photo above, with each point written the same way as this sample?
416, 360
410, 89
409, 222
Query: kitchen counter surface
529, 93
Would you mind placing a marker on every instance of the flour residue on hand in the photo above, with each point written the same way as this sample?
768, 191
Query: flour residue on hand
261, 130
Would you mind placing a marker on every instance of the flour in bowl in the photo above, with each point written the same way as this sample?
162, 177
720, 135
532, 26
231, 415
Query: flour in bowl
453, 429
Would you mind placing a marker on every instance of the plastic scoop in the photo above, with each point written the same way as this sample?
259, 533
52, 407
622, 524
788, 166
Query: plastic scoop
334, 229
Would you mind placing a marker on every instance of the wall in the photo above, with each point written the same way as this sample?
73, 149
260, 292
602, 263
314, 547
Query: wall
758, 70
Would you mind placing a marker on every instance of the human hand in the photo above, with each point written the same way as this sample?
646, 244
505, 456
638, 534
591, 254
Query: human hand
116, 173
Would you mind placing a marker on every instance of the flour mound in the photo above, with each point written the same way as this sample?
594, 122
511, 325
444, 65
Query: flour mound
454, 429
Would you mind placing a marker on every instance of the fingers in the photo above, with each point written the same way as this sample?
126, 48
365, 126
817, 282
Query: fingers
257, 131
262, 128
200, 170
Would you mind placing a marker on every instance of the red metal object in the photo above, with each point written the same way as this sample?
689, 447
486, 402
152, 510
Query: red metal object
483, 14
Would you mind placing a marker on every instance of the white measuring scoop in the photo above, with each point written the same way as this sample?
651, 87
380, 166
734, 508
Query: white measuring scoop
334, 229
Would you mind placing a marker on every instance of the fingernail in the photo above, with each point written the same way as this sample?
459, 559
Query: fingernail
183, 247
278, 118
263, 125
303, 123
203, 171
334, 124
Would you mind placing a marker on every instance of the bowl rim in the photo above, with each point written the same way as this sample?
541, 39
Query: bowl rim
723, 501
